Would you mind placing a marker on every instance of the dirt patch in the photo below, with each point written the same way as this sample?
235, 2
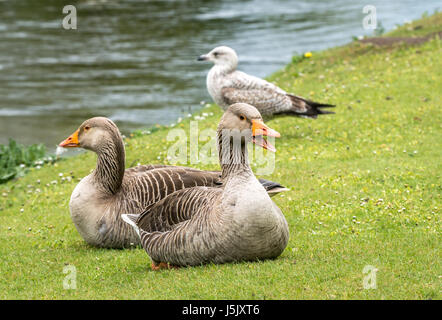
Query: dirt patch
390, 41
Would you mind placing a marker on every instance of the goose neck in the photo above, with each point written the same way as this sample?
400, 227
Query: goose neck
110, 168
233, 155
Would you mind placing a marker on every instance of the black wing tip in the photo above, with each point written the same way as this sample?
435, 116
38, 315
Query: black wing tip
325, 112
314, 108
324, 105
313, 113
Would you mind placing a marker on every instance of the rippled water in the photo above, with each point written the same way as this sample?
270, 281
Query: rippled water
135, 61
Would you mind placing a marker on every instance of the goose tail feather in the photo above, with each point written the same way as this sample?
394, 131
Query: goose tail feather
131, 219
272, 188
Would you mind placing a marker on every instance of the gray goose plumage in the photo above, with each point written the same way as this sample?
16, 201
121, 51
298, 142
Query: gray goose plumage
235, 222
100, 198
227, 86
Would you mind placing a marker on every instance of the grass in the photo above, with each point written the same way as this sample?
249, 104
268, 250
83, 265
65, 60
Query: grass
365, 190
15, 159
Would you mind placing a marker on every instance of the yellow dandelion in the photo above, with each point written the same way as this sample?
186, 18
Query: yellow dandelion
308, 54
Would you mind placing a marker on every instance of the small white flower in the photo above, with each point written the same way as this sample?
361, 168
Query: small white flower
60, 150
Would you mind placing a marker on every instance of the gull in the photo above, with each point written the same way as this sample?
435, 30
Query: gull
227, 85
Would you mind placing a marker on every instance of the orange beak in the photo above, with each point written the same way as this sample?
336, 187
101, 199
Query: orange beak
71, 142
260, 129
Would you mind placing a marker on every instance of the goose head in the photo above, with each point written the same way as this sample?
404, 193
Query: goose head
94, 134
221, 56
244, 123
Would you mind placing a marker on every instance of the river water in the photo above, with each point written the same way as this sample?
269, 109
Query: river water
135, 61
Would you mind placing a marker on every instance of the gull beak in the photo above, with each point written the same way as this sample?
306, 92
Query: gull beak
203, 57
259, 130
71, 141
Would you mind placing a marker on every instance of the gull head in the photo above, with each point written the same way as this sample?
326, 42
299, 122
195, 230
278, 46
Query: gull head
221, 56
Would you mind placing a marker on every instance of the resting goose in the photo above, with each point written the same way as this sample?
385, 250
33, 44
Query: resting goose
227, 86
100, 198
235, 222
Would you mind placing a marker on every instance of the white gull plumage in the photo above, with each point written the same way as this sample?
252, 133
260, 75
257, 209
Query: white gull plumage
227, 86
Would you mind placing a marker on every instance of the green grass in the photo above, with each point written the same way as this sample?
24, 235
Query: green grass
16, 159
365, 190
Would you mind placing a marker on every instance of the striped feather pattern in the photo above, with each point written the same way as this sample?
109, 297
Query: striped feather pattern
232, 222
100, 199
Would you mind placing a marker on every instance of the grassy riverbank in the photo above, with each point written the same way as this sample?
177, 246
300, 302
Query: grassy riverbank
365, 190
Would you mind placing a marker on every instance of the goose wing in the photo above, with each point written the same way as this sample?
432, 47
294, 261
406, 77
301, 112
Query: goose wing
176, 208
142, 188
146, 167
145, 185
176, 229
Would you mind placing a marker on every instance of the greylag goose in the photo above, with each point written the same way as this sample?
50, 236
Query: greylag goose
227, 86
235, 222
100, 198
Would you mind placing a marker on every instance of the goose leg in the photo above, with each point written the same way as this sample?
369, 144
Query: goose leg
163, 265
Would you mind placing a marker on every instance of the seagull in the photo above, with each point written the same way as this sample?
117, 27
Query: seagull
227, 86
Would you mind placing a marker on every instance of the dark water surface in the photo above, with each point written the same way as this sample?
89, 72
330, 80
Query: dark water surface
135, 61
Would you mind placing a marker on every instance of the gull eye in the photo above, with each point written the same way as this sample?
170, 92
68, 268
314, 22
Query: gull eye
216, 54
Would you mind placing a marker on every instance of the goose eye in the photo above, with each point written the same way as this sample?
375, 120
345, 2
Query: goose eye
87, 128
242, 117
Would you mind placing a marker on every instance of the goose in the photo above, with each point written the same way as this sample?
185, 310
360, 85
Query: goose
227, 85
99, 199
235, 222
